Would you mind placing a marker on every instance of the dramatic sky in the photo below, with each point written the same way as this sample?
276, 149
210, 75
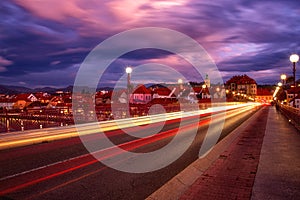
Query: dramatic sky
44, 42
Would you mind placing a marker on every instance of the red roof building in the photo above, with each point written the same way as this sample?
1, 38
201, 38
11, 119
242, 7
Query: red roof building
292, 92
264, 95
141, 95
242, 84
297, 102
164, 93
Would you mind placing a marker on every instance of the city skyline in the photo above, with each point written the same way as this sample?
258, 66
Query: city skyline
43, 43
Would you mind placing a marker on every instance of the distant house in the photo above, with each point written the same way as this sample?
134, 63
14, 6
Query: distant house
291, 93
54, 101
297, 102
163, 93
119, 96
6, 103
43, 97
103, 97
63, 102
21, 101
242, 84
264, 95
200, 92
141, 95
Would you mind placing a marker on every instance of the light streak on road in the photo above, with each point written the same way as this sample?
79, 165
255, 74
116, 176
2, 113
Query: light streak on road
82, 161
16, 139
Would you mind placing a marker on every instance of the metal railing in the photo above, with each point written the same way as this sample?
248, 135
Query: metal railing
293, 114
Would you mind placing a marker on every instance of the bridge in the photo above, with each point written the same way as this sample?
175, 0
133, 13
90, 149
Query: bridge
66, 162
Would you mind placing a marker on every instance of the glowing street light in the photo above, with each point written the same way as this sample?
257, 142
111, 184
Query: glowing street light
283, 78
180, 81
279, 84
294, 58
128, 71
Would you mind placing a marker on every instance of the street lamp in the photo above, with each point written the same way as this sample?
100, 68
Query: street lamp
294, 58
279, 84
180, 81
128, 71
283, 78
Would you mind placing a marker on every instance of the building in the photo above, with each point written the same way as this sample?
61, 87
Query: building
164, 93
103, 97
242, 84
141, 95
207, 81
291, 93
21, 101
264, 95
297, 102
43, 97
6, 103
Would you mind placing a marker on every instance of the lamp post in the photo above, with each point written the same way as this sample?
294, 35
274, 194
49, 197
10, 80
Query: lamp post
180, 81
128, 71
283, 78
218, 92
294, 58
203, 90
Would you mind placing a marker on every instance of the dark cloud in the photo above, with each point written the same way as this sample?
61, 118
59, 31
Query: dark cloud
52, 37
144, 54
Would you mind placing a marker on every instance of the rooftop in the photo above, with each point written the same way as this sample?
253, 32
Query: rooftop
241, 79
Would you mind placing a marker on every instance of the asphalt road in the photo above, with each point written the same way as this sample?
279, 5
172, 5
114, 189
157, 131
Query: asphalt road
64, 169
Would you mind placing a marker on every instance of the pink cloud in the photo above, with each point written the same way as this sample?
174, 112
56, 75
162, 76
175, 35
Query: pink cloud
94, 16
102, 16
53, 9
3, 63
68, 51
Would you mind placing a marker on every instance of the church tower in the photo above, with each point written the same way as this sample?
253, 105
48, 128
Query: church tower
207, 81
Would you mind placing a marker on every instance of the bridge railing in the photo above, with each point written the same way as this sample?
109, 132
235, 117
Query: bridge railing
293, 115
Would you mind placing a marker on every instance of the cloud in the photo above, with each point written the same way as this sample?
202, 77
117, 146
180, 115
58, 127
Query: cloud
2, 69
5, 62
37, 37
70, 51
56, 62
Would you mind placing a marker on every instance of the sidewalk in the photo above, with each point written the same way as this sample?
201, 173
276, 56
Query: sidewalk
278, 175
262, 163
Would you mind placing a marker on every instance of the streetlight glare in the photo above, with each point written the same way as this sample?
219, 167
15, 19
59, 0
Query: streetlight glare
294, 58
283, 77
180, 81
279, 84
128, 70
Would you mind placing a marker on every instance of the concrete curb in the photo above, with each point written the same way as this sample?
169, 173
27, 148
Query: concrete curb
174, 188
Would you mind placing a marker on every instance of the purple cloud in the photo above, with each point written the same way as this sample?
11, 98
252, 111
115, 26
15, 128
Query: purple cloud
51, 36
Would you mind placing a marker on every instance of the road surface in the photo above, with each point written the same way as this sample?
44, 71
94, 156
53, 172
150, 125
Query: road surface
64, 169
